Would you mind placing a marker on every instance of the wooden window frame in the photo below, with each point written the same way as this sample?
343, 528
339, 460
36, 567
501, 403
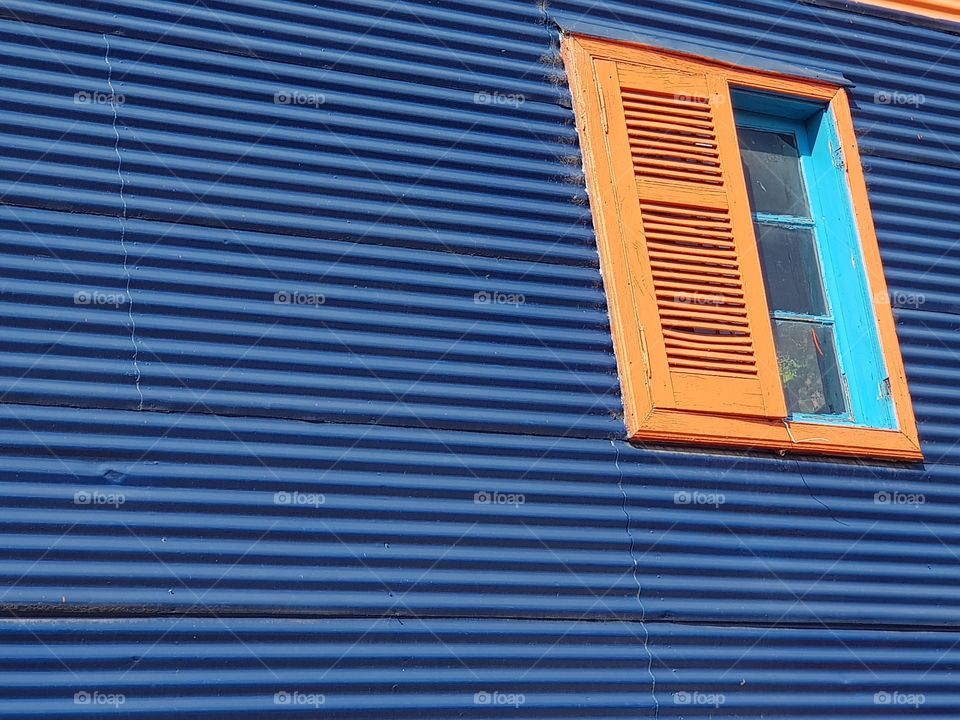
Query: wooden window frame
646, 422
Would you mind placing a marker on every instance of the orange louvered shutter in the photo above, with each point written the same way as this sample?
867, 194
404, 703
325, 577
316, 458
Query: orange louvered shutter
689, 241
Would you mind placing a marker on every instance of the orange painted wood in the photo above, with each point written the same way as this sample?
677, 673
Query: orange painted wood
729, 431
681, 197
939, 9
662, 163
657, 58
873, 265
636, 370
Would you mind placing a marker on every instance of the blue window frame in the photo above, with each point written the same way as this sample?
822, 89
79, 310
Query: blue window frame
825, 329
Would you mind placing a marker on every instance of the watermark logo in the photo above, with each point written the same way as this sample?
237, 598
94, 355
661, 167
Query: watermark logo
295, 297
295, 697
900, 299
699, 299
299, 499
885, 497
96, 498
895, 697
298, 97
695, 697
99, 699
895, 97
694, 99
695, 497
514, 700
94, 97
498, 298
500, 99
485, 497
97, 297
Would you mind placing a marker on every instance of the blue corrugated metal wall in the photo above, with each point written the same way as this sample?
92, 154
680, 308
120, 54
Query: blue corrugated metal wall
161, 408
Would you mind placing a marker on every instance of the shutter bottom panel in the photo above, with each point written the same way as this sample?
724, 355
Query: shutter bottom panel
699, 392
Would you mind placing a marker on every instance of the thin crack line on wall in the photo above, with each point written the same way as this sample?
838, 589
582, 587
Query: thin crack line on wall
114, 106
818, 500
636, 579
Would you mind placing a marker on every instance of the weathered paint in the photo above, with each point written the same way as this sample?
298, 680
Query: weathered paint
837, 238
668, 403
401, 398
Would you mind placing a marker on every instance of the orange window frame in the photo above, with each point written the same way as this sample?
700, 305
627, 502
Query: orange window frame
722, 428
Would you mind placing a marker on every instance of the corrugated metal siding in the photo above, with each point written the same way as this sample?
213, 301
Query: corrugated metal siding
399, 530
398, 199
436, 669
399, 338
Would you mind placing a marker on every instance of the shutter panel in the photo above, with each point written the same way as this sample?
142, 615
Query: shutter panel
690, 246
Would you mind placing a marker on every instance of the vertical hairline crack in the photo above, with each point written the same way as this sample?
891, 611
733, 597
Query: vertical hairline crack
123, 221
636, 579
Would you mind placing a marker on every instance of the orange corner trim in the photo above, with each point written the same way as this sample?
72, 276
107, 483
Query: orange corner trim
937, 9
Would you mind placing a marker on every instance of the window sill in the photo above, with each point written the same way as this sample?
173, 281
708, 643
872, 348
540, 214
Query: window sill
705, 429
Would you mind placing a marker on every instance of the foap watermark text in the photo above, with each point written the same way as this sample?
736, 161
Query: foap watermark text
495, 697
296, 297
696, 697
299, 97
512, 100
893, 497
492, 497
485, 297
98, 498
696, 497
296, 697
95, 97
896, 697
299, 499
896, 97
96, 698
98, 297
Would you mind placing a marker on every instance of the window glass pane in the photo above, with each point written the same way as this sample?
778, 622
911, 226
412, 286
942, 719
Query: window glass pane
808, 366
791, 270
771, 163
